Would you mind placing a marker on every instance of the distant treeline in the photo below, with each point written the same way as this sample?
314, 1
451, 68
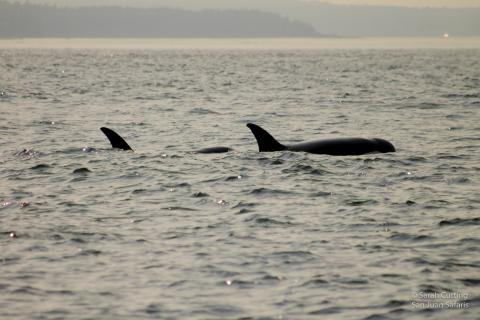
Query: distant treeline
27, 20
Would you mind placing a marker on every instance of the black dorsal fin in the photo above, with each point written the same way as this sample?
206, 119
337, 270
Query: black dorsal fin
265, 140
115, 139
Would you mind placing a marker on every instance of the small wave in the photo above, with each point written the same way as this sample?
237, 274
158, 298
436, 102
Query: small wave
36, 95
55, 237
269, 221
177, 283
213, 310
299, 253
168, 95
394, 276
28, 290
377, 316
422, 105
265, 221
475, 301
268, 161
429, 288
242, 205
396, 303
234, 178
90, 252
456, 128
428, 105
471, 282
47, 122
200, 194
320, 194
139, 191
7, 261
80, 91
202, 111
417, 159
325, 311
461, 96
379, 159
355, 282
360, 202
409, 237
7, 204
29, 153
161, 110
470, 240
180, 185
271, 278
276, 114
40, 167
77, 240
465, 139
455, 263
88, 149
79, 178
277, 161
222, 202
449, 157
237, 282
316, 282
71, 204
263, 191
459, 180
179, 209
419, 261
300, 168
144, 98
244, 211
460, 222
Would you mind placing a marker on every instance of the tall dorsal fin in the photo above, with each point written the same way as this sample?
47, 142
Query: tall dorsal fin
115, 139
265, 140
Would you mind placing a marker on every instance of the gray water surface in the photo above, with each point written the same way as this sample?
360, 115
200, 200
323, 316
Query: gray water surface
164, 233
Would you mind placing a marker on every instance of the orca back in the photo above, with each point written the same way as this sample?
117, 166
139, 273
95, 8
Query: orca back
214, 150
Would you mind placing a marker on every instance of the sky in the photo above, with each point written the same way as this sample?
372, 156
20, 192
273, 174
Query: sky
412, 3
221, 3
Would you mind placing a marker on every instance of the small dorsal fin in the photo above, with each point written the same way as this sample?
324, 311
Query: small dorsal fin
115, 139
265, 140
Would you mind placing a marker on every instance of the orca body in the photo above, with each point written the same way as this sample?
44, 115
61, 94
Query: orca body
214, 150
334, 147
116, 141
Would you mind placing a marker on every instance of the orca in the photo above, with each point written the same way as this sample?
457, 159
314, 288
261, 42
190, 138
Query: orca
115, 139
334, 147
119, 143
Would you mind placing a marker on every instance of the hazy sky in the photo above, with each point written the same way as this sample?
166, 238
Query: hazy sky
411, 3
222, 3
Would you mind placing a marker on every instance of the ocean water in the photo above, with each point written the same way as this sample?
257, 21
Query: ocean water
165, 233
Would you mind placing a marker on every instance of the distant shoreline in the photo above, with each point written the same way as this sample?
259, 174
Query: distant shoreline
317, 43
